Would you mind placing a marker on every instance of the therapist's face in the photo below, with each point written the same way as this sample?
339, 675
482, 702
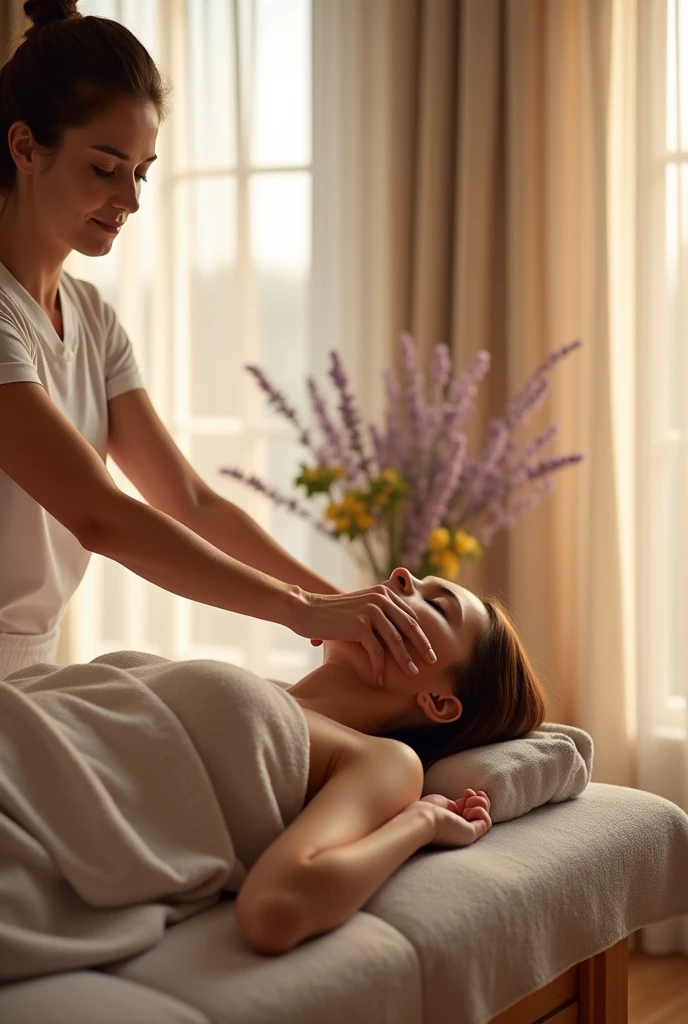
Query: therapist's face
81, 194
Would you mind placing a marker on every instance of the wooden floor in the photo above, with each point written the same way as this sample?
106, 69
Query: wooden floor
657, 989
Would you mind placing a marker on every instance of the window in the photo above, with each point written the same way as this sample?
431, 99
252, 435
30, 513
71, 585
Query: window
663, 353
211, 274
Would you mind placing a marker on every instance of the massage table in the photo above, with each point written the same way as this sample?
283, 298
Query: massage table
530, 922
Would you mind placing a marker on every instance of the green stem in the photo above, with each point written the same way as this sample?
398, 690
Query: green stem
373, 564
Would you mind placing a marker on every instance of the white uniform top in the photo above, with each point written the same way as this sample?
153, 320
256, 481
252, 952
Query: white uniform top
41, 562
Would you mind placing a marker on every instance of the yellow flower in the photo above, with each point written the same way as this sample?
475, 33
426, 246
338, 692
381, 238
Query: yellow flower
449, 565
381, 499
350, 502
392, 480
364, 521
439, 539
466, 544
338, 472
343, 524
332, 511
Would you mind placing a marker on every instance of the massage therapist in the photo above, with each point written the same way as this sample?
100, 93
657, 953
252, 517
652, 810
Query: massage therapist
81, 102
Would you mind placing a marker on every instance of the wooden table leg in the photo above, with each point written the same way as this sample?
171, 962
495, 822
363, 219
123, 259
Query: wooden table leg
603, 986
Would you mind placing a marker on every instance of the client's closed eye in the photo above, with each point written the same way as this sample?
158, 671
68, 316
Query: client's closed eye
438, 606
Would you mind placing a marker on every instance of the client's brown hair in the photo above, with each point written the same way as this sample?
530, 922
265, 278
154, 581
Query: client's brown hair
502, 697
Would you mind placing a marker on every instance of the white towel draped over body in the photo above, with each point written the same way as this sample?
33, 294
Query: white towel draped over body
133, 790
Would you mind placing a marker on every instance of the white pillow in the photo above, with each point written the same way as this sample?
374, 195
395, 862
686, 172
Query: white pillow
550, 765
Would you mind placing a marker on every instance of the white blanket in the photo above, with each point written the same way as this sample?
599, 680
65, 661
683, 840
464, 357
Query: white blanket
133, 790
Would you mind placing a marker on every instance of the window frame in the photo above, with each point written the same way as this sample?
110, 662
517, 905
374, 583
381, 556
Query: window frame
657, 442
169, 350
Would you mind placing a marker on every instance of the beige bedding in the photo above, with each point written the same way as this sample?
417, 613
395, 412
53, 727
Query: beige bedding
134, 790
452, 935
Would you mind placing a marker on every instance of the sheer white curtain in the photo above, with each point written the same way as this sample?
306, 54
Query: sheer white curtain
215, 272
661, 590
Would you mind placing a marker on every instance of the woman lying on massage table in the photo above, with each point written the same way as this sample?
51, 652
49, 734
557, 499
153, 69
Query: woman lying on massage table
135, 790
363, 815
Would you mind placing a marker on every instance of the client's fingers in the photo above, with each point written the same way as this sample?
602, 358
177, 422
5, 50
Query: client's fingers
478, 801
478, 814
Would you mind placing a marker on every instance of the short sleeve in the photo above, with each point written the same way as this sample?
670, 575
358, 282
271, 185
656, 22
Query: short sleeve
121, 369
16, 359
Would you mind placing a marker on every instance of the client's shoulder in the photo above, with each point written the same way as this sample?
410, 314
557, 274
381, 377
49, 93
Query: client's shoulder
331, 743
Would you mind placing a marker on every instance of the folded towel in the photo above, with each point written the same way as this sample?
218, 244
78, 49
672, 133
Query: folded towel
550, 765
133, 790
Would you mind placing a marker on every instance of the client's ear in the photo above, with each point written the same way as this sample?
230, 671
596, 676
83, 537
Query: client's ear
438, 708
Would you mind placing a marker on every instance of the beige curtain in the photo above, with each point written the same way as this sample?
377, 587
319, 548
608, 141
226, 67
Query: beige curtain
461, 193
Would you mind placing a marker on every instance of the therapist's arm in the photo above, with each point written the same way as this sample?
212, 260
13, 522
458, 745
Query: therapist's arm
233, 531
147, 454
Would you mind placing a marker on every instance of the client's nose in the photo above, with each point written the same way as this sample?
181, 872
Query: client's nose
403, 578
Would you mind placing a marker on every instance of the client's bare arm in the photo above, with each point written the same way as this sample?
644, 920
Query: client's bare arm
357, 830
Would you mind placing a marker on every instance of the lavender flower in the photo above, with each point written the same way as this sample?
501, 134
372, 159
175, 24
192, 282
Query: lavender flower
535, 387
349, 412
439, 372
423, 419
377, 446
279, 499
278, 399
547, 466
555, 355
432, 512
463, 390
414, 396
530, 398
489, 480
518, 474
393, 441
431, 436
335, 448
480, 477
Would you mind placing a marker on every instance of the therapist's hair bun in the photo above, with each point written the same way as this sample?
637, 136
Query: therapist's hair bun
46, 12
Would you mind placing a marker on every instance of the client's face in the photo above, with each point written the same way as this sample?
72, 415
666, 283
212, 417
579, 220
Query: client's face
452, 618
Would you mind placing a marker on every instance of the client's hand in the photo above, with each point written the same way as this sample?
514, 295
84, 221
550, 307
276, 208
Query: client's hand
365, 616
460, 822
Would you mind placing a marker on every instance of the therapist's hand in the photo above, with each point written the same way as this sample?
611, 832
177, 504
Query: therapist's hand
371, 617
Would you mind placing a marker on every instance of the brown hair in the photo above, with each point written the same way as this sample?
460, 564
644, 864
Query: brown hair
502, 697
66, 71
